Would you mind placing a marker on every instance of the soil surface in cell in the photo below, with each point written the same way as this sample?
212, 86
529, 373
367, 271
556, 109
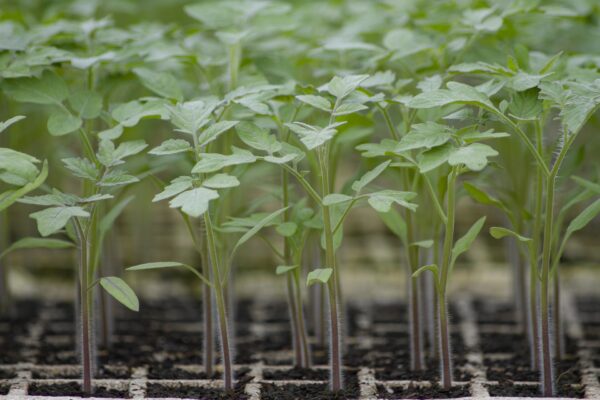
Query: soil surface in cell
310, 391
72, 389
418, 392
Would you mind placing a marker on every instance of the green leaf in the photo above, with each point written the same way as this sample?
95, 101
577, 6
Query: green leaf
87, 104
9, 197
370, 176
466, 241
284, 269
499, 232
214, 131
221, 181
117, 178
257, 227
431, 159
258, 138
319, 275
121, 291
62, 122
48, 89
395, 223
81, 167
336, 198
211, 162
433, 268
382, 201
4, 125
589, 185
482, 197
52, 220
474, 156
169, 264
584, 218
171, 146
316, 101
176, 186
194, 202
37, 243
425, 244
342, 87
287, 229
348, 108
427, 135
313, 136
457, 93
161, 83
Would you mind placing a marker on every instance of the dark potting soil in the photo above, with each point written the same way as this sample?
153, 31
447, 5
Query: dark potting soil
103, 373
169, 371
4, 388
494, 312
416, 392
297, 373
509, 389
183, 391
72, 389
4, 374
310, 391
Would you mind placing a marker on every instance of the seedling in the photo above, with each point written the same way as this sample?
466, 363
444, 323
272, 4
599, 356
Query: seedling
81, 215
336, 206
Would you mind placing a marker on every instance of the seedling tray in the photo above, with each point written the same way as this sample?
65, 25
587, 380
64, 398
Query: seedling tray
158, 354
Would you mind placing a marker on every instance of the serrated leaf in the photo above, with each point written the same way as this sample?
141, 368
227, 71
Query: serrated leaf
161, 83
258, 138
81, 167
121, 291
171, 146
117, 178
382, 201
194, 202
316, 101
214, 131
87, 104
431, 159
52, 220
9, 197
221, 181
312, 136
425, 135
62, 122
474, 156
482, 197
257, 227
457, 93
48, 89
211, 162
349, 108
341, 87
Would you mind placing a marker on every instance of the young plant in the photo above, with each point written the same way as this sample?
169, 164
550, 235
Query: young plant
335, 207
193, 194
576, 103
83, 216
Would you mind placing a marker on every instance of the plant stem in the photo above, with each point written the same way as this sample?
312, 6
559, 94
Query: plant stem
556, 318
306, 356
547, 367
332, 284
207, 309
294, 320
86, 356
446, 361
221, 305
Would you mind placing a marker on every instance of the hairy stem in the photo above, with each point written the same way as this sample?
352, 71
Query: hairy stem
221, 305
208, 339
445, 360
86, 356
